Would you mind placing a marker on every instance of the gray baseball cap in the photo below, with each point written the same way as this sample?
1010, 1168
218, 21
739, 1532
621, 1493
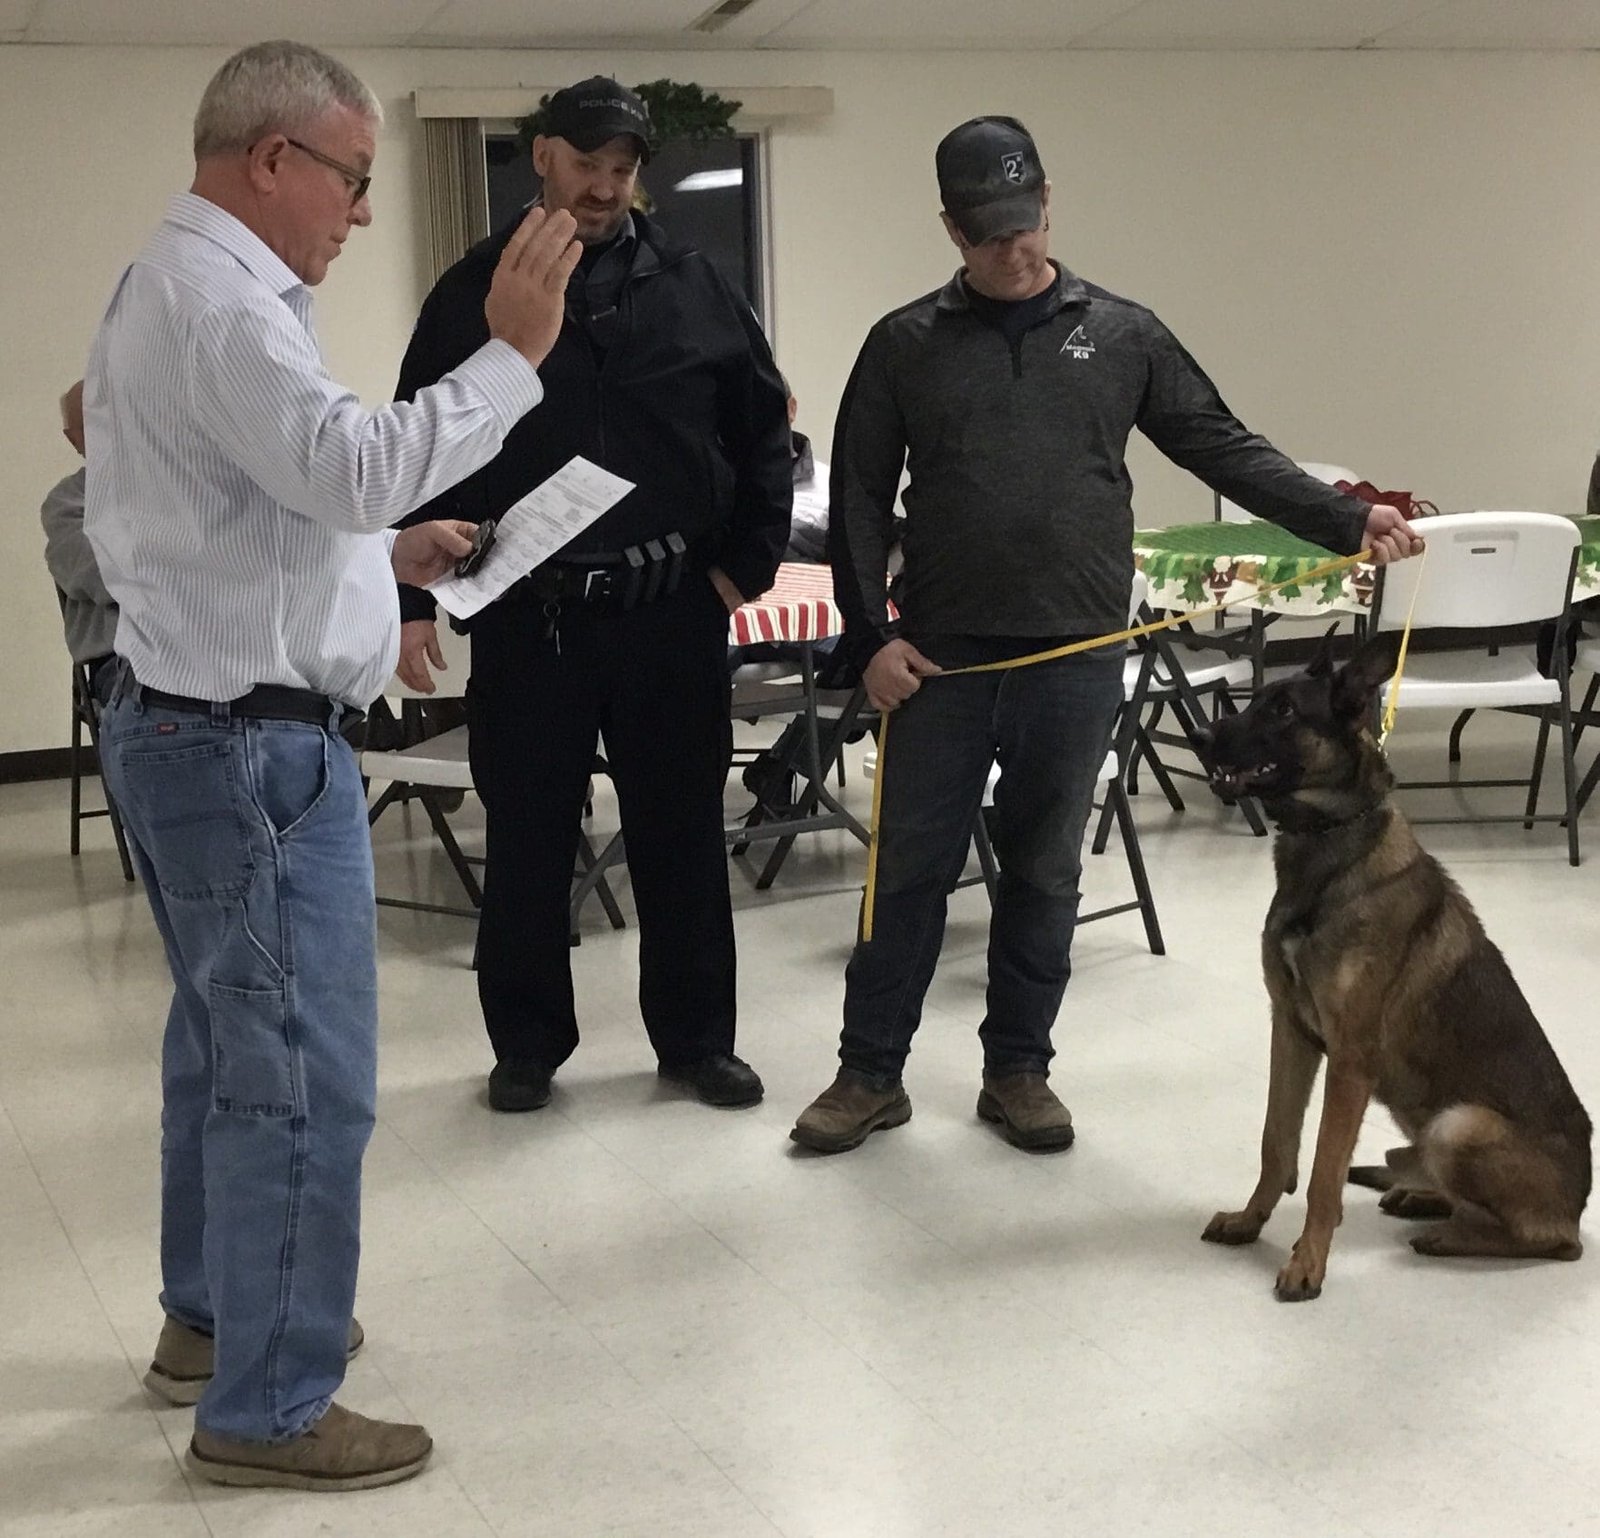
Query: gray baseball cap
990, 179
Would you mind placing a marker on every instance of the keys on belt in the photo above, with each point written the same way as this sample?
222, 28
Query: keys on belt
638, 575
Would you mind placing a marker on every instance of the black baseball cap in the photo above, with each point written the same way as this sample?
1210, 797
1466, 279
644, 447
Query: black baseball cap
990, 179
594, 111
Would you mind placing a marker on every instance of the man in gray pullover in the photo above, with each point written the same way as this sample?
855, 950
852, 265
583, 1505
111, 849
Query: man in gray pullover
1010, 394
88, 611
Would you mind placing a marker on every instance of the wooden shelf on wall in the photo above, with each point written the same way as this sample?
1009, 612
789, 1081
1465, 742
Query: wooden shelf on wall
761, 106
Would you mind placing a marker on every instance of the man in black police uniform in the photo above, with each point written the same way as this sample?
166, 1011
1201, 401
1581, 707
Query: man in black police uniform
1012, 392
662, 376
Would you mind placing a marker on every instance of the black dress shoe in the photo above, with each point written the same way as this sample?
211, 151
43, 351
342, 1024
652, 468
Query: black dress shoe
726, 1081
519, 1087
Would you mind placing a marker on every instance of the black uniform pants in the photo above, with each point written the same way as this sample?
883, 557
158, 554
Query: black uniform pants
653, 682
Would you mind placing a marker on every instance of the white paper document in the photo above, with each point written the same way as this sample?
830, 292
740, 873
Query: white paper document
532, 530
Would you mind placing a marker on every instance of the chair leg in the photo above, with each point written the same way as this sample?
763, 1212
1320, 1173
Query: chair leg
1455, 735
1248, 805
602, 887
1538, 770
1586, 788
75, 772
1569, 770
592, 879
1131, 777
986, 859
394, 792
1117, 799
1123, 741
753, 819
452, 849
115, 818
1158, 770
1583, 710
86, 717
775, 860
1102, 829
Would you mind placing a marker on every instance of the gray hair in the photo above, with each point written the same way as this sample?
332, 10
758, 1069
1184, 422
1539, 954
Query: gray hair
277, 87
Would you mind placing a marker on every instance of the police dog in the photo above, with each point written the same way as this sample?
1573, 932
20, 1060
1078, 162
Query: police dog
1375, 960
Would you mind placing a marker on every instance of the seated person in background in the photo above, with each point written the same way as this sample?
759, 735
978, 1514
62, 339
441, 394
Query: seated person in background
808, 523
89, 613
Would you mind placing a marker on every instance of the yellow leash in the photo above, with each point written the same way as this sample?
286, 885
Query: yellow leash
1392, 708
1317, 573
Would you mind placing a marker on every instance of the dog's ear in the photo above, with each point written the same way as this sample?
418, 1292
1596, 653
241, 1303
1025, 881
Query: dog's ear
1357, 683
1321, 663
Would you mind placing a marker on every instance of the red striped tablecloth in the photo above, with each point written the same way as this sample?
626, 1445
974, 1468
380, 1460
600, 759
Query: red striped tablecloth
799, 606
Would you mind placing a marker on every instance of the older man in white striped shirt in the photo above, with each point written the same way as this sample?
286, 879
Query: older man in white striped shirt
238, 504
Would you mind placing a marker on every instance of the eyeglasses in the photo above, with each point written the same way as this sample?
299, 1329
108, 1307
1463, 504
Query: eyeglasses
359, 184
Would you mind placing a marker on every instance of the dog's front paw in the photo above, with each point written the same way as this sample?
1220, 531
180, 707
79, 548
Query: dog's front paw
1300, 1280
1234, 1228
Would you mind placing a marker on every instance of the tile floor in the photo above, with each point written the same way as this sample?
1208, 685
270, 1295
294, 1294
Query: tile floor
628, 1314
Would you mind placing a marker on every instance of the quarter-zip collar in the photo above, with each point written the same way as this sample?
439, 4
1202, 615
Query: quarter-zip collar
1069, 289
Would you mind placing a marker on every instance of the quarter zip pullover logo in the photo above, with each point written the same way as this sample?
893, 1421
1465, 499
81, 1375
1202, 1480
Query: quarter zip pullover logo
1078, 344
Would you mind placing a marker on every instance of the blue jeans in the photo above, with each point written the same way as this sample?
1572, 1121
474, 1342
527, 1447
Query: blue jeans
251, 838
1049, 726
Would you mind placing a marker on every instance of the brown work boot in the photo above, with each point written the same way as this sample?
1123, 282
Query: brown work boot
1027, 1111
342, 1451
182, 1365
847, 1112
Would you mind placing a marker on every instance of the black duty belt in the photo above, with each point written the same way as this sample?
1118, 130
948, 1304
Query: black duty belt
265, 702
638, 575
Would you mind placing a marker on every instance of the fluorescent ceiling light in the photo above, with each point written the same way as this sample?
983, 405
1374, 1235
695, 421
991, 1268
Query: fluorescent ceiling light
711, 181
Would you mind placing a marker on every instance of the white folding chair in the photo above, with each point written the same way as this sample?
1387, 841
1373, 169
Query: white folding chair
1489, 571
790, 690
421, 770
1159, 673
1116, 801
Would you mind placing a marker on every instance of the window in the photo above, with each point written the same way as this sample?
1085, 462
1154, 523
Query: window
708, 194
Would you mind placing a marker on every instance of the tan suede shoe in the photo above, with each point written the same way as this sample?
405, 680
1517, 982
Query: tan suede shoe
182, 1365
343, 1451
1027, 1111
847, 1112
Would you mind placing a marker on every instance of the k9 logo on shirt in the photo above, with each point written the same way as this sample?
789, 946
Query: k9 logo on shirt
1078, 344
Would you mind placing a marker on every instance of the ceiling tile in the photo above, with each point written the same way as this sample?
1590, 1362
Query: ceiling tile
517, 23
376, 23
1255, 23
995, 24
764, 17
838, 24
1501, 24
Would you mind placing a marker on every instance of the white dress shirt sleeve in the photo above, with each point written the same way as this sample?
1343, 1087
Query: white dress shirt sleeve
261, 391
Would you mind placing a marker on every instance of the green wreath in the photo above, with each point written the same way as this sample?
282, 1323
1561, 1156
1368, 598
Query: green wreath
677, 111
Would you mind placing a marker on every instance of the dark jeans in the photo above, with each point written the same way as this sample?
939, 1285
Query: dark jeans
1049, 726
654, 683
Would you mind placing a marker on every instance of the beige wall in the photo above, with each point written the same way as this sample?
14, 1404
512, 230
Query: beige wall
1385, 261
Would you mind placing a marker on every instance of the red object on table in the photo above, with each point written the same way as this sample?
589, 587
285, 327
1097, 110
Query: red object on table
1408, 505
798, 606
